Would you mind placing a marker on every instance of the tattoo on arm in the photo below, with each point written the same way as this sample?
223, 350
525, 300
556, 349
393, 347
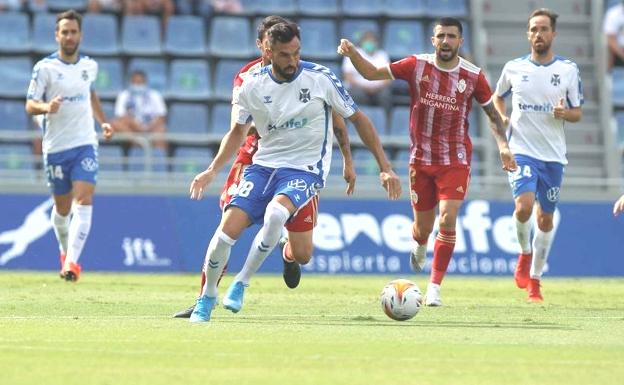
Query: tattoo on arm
343, 142
496, 124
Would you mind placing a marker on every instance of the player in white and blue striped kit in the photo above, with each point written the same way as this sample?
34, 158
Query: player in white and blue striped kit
546, 93
61, 91
291, 103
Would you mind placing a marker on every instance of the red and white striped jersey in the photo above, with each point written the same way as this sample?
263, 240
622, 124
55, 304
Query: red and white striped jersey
440, 103
250, 147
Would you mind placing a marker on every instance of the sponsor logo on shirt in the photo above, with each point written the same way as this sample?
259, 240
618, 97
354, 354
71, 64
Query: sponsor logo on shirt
292, 123
89, 164
553, 194
545, 107
267, 99
298, 184
75, 99
443, 102
525, 78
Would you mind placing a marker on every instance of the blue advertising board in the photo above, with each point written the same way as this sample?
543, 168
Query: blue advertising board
170, 234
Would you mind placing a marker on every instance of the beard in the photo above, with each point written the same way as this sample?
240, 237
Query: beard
447, 55
69, 50
541, 49
288, 73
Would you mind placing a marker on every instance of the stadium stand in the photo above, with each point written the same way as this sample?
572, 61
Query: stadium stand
14, 32
99, 35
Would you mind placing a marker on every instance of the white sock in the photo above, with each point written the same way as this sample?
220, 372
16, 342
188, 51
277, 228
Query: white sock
541, 247
420, 251
523, 231
60, 225
79, 227
217, 255
265, 241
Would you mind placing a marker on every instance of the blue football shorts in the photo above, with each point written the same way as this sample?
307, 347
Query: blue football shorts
64, 167
260, 184
542, 178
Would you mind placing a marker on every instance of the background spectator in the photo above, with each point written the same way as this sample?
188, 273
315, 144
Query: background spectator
614, 30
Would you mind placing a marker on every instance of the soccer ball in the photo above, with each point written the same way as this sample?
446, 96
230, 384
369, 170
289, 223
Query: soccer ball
401, 299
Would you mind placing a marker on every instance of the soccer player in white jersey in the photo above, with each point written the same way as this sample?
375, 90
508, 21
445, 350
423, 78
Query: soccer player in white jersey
546, 93
290, 102
61, 91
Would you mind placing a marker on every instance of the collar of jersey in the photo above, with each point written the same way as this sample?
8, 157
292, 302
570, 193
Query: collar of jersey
555, 58
270, 71
55, 55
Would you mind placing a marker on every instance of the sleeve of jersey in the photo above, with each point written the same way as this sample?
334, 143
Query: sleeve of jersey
503, 86
403, 69
575, 89
337, 96
483, 92
37, 86
241, 106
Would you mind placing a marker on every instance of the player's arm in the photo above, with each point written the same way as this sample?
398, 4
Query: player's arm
501, 107
618, 207
230, 144
35, 107
367, 69
571, 115
366, 131
342, 137
98, 114
498, 131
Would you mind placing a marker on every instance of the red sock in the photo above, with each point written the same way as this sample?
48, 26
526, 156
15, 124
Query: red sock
442, 253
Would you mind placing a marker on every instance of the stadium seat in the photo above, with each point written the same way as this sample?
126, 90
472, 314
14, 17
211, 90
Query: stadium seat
362, 7
378, 116
185, 36
189, 79
109, 80
15, 73
399, 122
318, 39
188, 118
140, 35
224, 76
401, 162
402, 8
44, 25
230, 37
64, 5
99, 34
220, 118
155, 69
13, 115
110, 157
14, 32
403, 38
16, 157
619, 118
270, 7
318, 7
364, 162
138, 161
353, 29
192, 160
440, 8
109, 111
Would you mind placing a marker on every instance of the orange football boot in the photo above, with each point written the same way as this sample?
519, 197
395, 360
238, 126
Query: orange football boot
523, 268
535, 294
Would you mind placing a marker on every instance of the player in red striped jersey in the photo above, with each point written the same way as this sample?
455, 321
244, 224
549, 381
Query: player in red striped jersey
297, 247
442, 86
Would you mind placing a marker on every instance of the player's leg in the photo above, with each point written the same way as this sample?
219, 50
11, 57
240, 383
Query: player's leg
424, 199
298, 246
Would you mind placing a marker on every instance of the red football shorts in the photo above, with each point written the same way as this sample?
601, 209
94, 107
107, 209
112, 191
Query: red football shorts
431, 184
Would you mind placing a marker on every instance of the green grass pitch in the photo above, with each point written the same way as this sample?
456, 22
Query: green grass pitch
116, 329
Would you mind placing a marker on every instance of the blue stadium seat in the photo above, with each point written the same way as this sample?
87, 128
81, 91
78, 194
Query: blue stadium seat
318, 7
403, 38
109, 80
378, 116
64, 5
224, 75
188, 118
362, 7
364, 162
192, 160
353, 29
155, 69
99, 34
16, 157
619, 118
402, 8
399, 122
186, 36
189, 79
13, 115
15, 73
318, 39
14, 32
270, 7
109, 157
137, 160
231, 37
44, 25
617, 76
401, 162
109, 111
220, 118
140, 35
440, 8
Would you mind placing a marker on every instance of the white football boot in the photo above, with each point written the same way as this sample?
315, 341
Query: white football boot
432, 298
417, 260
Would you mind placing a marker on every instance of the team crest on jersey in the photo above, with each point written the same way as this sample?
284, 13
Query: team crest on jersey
304, 95
461, 86
85, 75
89, 164
555, 80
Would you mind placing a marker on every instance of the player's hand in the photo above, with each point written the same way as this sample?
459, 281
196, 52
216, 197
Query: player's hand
618, 207
54, 104
348, 173
200, 182
559, 112
107, 130
346, 48
391, 183
508, 160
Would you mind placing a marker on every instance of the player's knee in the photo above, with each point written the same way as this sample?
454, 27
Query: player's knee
276, 215
545, 223
523, 212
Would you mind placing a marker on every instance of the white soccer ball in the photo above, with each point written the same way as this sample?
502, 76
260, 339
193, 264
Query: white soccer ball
401, 299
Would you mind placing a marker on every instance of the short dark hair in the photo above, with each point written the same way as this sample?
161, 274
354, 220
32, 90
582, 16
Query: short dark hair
450, 22
268, 22
69, 15
544, 12
283, 33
